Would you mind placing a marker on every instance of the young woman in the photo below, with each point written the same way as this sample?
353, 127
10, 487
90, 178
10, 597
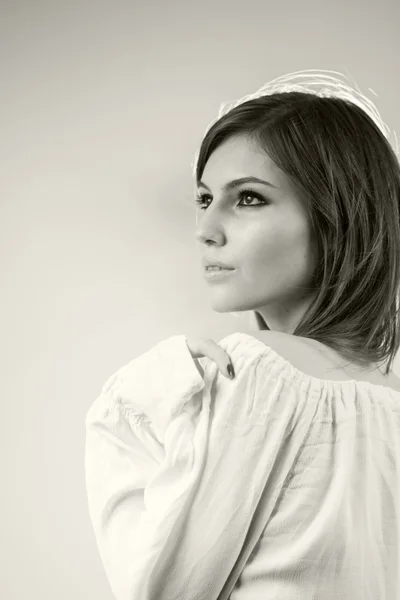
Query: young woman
284, 481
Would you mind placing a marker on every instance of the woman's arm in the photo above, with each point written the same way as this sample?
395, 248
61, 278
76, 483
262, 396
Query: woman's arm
138, 482
175, 470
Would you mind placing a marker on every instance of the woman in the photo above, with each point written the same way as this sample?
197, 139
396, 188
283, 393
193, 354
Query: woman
282, 482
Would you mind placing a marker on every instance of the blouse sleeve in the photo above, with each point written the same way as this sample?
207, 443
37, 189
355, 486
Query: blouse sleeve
168, 480
139, 462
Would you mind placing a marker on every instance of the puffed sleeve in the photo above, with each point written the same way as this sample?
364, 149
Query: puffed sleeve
176, 463
140, 459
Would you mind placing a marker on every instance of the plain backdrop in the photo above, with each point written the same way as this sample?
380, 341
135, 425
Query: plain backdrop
103, 106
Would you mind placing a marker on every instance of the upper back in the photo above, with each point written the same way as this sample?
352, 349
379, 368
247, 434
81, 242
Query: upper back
318, 360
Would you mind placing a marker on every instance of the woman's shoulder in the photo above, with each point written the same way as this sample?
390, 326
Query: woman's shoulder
300, 352
319, 360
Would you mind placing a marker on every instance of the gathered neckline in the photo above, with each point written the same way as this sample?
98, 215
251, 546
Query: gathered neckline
300, 375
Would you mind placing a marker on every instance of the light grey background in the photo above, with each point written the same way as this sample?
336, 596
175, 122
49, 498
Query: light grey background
103, 105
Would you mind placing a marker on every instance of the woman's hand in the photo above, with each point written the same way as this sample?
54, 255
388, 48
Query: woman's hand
200, 347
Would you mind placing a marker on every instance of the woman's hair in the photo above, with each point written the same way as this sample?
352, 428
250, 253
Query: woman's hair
340, 160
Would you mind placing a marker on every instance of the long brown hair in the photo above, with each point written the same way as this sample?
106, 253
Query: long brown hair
339, 159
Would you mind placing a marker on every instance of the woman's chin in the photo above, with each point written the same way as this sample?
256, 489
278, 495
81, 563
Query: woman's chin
222, 304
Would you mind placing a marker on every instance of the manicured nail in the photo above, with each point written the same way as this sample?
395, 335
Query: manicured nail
230, 371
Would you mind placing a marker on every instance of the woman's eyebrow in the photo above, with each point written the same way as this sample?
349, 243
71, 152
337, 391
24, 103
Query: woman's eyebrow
236, 182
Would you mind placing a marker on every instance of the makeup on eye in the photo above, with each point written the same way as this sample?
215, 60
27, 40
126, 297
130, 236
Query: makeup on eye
201, 198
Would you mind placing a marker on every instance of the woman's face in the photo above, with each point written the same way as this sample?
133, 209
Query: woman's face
267, 240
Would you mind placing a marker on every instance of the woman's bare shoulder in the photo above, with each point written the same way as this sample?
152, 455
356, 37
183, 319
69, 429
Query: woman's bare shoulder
320, 361
280, 341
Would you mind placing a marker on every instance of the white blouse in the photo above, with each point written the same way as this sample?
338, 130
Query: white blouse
274, 485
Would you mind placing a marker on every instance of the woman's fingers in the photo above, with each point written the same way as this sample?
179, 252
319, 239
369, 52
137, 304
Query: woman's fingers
207, 347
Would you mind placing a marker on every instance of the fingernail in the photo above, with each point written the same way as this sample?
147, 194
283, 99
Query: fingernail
230, 371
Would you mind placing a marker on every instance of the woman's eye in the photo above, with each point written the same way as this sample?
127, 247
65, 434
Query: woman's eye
243, 196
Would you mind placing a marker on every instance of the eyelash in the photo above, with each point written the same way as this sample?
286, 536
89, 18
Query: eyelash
201, 198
